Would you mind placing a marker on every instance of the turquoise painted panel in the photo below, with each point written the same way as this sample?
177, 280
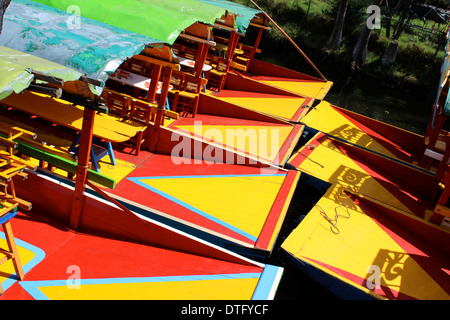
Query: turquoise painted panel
93, 48
244, 14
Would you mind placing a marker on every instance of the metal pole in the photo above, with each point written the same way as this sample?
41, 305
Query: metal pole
292, 41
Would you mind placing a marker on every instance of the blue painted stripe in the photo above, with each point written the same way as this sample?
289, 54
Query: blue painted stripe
32, 287
193, 209
267, 283
214, 176
39, 255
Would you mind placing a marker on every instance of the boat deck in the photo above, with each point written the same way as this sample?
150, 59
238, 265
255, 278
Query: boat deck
368, 236
214, 195
363, 132
288, 80
395, 184
209, 199
314, 89
289, 108
267, 141
371, 250
56, 268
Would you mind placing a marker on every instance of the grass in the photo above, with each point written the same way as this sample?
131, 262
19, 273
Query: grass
316, 6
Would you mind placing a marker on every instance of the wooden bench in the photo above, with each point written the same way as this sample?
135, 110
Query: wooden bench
168, 113
217, 76
107, 128
242, 61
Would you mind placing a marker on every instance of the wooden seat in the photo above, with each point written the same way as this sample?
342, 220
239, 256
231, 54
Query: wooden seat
186, 100
211, 59
9, 204
141, 68
243, 60
118, 104
176, 48
140, 111
217, 75
185, 93
189, 53
136, 66
176, 80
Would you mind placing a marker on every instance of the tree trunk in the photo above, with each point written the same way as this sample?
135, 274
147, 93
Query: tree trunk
360, 49
3, 5
336, 35
402, 7
390, 53
389, 15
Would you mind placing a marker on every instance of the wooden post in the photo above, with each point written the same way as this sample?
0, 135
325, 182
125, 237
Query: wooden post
232, 44
151, 95
257, 41
431, 135
12, 246
441, 209
153, 132
82, 169
166, 74
201, 58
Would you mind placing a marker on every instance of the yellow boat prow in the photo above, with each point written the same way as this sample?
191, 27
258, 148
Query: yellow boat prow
369, 253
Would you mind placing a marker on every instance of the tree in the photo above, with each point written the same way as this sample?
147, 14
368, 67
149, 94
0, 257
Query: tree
336, 35
360, 50
388, 18
391, 51
3, 5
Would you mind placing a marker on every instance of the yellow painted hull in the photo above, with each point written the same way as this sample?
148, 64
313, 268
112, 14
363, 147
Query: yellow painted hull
375, 260
368, 236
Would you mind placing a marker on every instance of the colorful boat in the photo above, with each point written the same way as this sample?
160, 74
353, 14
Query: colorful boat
59, 263
151, 169
170, 153
377, 231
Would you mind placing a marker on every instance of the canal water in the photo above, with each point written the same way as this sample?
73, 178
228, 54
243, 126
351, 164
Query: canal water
404, 106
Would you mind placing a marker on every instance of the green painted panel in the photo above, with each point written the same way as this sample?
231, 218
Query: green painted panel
64, 164
159, 19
